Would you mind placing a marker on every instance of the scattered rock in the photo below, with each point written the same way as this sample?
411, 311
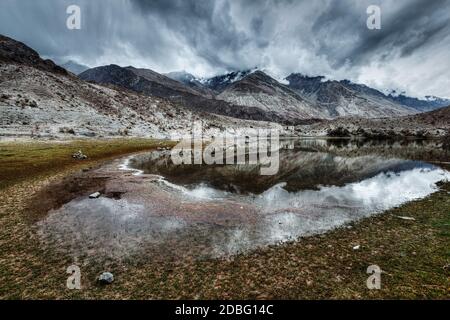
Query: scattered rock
95, 195
79, 155
406, 218
106, 278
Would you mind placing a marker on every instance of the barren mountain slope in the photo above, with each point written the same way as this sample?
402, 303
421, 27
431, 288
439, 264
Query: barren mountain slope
343, 98
260, 91
38, 98
154, 84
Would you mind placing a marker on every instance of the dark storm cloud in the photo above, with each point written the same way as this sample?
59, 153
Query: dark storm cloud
211, 36
205, 26
405, 29
412, 27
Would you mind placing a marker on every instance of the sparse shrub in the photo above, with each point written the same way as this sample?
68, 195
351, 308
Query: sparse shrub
420, 133
66, 130
338, 132
124, 132
446, 141
360, 132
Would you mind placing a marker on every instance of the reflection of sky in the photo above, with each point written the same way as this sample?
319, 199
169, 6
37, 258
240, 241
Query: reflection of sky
288, 215
119, 228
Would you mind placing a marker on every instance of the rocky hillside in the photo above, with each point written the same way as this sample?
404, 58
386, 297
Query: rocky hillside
154, 84
343, 98
38, 98
433, 124
140, 80
260, 91
430, 103
326, 99
221, 82
12, 51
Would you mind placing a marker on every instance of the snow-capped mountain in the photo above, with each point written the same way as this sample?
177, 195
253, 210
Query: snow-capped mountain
216, 83
428, 104
221, 82
421, 105
306, 98
342, 97
154, 84
258, 90
252, 94
190, 81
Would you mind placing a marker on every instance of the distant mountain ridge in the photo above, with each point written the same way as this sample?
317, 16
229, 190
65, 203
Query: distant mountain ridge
190, 81
39, 98
431, 103
257, 89
221, 82
344, 98
74, 67
310, 85
151, 83
252, 94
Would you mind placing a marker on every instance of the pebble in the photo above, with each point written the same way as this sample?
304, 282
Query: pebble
406, 218
106, 278
95, 195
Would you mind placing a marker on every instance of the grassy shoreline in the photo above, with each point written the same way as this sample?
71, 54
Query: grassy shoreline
25, 159
414, 255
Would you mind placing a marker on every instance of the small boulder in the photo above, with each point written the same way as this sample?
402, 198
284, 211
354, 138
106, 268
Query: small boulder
95, 195
106, 278
79, 155
357, 247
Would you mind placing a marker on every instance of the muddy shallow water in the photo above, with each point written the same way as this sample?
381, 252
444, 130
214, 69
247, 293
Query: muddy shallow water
156, 210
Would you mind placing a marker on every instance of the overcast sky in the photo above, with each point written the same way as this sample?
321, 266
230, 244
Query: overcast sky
410, 53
